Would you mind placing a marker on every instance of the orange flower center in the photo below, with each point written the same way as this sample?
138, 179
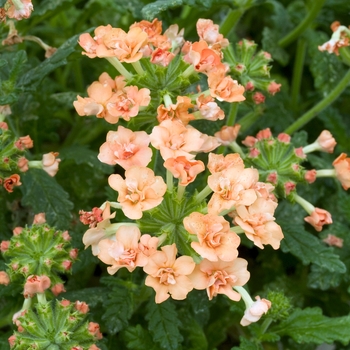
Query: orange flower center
166, 276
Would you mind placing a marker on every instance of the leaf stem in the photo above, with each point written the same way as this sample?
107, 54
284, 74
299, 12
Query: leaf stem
180, 192
229, 23
266, 325
312, 113
233, 114
298, 72
312, 14
138, 67
203, 194
345, 55
119, 67
169, 180
250, 118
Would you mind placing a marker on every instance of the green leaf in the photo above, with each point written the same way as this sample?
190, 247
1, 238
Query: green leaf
269, 43
246, 345
119, 305
49, 5
164, 324
137, 338
153, 10
309, 249
310, 326
34, 76
45, 195
320, 278
92, 296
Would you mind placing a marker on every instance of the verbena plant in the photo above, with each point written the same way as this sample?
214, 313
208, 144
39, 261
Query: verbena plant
173, 174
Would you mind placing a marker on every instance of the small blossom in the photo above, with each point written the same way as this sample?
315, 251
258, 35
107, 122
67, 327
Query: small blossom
289, 186
299, 152
255, 311
249, 141
167, 275
91, 218
227, 134
67, 265
4, 246
19, 12
11, 182
3, 125
65, 302
178, 111
283, 137
50, 163
24, 142
36, 284
273, 88
333, 241
318, 218
258, 98
342, 170
22, 164
58, 289
73, 253
12, 340
39, 218
4, 278
162, 57
81, 306
209, 109
272, 177
17, 230
326, 141
94, 329
310, 176
264, 134
250, 86
254, 152
209, 32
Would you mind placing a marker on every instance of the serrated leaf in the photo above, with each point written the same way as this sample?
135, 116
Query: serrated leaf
321, 278
164, 324
152, 10
246, 345
49, 5
119, 305
92, 296
270, 44
137, 338
45, 195
310, 326
309, 249
35, 75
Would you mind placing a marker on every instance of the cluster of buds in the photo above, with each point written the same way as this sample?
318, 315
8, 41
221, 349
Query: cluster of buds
164, 220
16, 9
39, 250
12, 155
55, 324
279, 163
339, 39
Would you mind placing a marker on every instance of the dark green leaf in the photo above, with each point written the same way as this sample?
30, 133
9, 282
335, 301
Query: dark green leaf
269, 43
320, 278
92, 296
49, 5
45, 195
153, 10
164, 324
309, 249
310, 326
137, 338
246, 345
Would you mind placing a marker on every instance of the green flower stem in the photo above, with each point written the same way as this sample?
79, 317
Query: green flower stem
226, 211
248, 301
203, 194
195, 96
169, 180
250, 118
237, 229
115, 205
41, 298
308, 207
189, 71
162, 238
303, 25
186, 10
298, 72
180, 192
312, 113
236, 148
138, 67
36, 164
27, 304
326, 173
232, 18
167, 100
266, 325
221, 149
233, 114
18, 4
119, 67
345, 55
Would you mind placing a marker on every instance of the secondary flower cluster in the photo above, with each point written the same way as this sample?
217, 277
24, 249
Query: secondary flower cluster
12, 155
170, 220
339, 39
17, 9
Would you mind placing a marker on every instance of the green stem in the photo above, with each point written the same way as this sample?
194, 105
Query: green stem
233, 114
169, 180
326, 173
203, 194
236, 148
312, 14
232, 18
119, 67
249, 119
237, 229
41, 298
138, 67
180, 192
186, 10
298, 72
189, 71
266, 325
167, 100
345, 55
312, 113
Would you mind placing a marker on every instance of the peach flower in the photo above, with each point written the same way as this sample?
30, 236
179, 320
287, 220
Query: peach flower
24, 142
51, 163
36, 284
4, 278
224, 88
100, 229
325, 143
273, 88
283, 137
258, 98
167, 275
264, 134
215, 240
218, 162
340, 38
123, 250
310, 176
22, 164
91, 218
209, 109
81, 306
94, 329
178, 111
318, 218
184, 169
19, 12
162, 57
173, 139
89, 44
249, 141
258, 224
342, 170
209, 32
11, 182
255, 311
227, 134
141, 190
126, 148
58, 289
39, 218
219, 277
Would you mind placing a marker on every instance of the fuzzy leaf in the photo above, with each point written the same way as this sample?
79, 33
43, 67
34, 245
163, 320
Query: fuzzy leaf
49, 5
137, 338
310, 326
153, 10
45, 195
119, 305
269, 42
34, 76
246, 345
320, 278
309, 249
164, 324
92, 296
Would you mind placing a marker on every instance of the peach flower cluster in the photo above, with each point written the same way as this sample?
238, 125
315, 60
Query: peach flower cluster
19, 9
112, 99
340, 38
342, 170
